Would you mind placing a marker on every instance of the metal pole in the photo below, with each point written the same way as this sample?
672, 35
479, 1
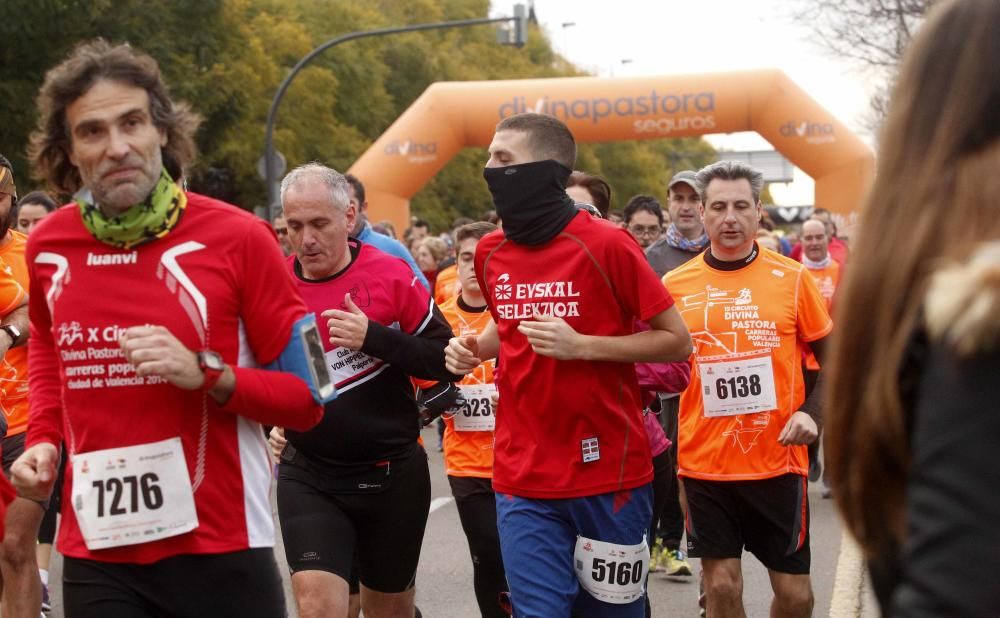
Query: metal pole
272, 182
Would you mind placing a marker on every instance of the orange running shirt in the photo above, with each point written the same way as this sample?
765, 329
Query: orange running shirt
827, 279
14, 366
446, 285
747, 327
469, 453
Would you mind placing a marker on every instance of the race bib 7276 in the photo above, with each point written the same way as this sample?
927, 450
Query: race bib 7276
133, 494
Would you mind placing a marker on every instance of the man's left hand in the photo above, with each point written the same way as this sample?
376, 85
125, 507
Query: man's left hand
551, 336
155, 351
347, 328
800, 429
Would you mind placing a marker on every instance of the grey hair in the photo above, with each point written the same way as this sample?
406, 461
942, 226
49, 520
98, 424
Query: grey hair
334, 181
730, 170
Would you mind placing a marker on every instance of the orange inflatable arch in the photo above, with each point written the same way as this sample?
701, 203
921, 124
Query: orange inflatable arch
450, 116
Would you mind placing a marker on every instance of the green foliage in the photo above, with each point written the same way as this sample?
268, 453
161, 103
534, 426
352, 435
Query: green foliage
765, 196
226, 58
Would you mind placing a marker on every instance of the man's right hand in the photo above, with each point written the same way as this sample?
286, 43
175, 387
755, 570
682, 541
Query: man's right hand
277, 441
34, 472
462, 355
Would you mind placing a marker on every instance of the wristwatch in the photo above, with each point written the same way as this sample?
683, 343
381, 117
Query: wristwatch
13, 331
212, 366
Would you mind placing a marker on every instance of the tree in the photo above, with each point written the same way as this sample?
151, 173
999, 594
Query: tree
874, 33
227, 57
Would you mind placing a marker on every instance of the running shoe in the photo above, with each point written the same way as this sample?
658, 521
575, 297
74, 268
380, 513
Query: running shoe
656, 558
675, 563
46, 601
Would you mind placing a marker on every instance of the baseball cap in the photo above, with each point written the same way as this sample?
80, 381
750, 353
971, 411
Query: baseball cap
687, 177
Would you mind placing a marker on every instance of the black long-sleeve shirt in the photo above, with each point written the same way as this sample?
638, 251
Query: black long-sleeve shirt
375, 416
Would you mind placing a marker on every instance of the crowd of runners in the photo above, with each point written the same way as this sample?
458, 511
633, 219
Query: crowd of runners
616, 390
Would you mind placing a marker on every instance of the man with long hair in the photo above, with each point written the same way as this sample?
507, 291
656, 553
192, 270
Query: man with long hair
152, 307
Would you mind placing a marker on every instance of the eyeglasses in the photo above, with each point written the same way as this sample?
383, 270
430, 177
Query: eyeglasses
645, 230
281, 231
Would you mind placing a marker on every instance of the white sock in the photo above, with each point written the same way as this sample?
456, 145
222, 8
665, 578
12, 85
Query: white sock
44, 575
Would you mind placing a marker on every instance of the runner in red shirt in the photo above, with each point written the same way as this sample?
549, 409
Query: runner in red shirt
571, 464
152, 308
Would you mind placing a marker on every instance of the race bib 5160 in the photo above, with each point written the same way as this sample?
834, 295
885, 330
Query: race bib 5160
610, 572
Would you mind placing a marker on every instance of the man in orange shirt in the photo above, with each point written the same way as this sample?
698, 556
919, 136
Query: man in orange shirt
17, 560
468, 436
744, 420
816, 256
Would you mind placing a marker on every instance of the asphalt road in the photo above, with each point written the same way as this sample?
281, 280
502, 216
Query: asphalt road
444, 579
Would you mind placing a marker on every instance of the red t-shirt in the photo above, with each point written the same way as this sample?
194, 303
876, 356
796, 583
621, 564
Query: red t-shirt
216, 281
568, 429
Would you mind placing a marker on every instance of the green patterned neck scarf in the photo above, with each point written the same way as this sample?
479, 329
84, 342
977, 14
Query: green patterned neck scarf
140, 224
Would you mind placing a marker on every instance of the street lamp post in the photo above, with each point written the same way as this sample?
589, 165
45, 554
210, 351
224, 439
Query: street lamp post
565, 26
520, 20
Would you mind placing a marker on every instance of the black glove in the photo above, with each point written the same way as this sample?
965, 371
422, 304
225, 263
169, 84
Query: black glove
437, 400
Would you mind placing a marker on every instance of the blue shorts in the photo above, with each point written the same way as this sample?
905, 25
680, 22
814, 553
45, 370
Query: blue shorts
537, 539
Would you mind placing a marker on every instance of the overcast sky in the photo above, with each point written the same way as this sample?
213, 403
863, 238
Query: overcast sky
662, 37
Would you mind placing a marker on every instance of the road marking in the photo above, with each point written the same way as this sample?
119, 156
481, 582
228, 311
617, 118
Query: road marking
437, 503
849, 580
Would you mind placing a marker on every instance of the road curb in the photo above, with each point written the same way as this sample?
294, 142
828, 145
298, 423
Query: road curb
849, 582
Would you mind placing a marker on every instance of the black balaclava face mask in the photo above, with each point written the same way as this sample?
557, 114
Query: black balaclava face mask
531, 200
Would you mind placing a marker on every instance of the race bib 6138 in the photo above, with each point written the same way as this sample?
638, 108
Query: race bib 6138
741, 383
